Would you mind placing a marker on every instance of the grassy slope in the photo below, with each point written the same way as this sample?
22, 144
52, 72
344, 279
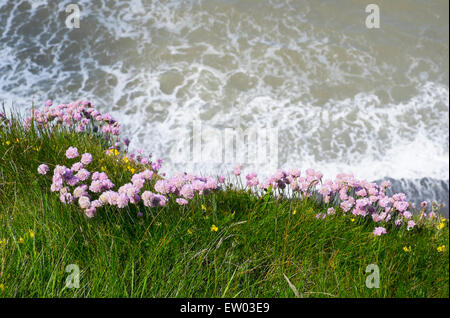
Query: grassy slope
258, 242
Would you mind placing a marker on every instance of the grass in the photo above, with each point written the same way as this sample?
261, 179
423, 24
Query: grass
263, 247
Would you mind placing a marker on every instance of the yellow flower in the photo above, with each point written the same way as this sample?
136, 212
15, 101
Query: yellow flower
131, 169
31, 233
441, 248
407, 249
353, 220
114, 152
103, 169
37, 148
203, 207
4, 242
189, 231
125, 159
8, 142
17, 140
2, 287
294, 212
214, 228
21, 240
441, 226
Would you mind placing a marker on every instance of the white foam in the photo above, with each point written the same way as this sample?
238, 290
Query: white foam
339, 103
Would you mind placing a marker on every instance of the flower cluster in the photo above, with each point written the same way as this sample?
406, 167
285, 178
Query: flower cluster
92, 191
77, 114
80, 115
76, 184
357, 197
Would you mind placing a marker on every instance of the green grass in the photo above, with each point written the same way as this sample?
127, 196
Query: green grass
260, 245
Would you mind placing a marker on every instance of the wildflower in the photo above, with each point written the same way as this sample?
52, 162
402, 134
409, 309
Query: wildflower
352, 219
411, 224
76, 166
187, 191
71, 152
203, 207
379, 231
407, 249
139, 214
331, 211
386, 184
189, 231
221, 179
214, 228
237, 170
90, 212
31, 233
441, 225
8, 142
43, 169
103, 168
86, 159
21, 240
84, 202
181, 201
83, 174
49, 103
294, 212
441, 248
80, 191
2, 287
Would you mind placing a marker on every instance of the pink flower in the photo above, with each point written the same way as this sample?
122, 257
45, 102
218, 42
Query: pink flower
181, 201
122, 200
80, 191
90, 212
237, 170
84, 202
71, 153
49, 103
411, 224
83, 174
43, 169
77, 166
221, 179
407, 214
331, 211
385, 184
379, 230
86, 159
187, 191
